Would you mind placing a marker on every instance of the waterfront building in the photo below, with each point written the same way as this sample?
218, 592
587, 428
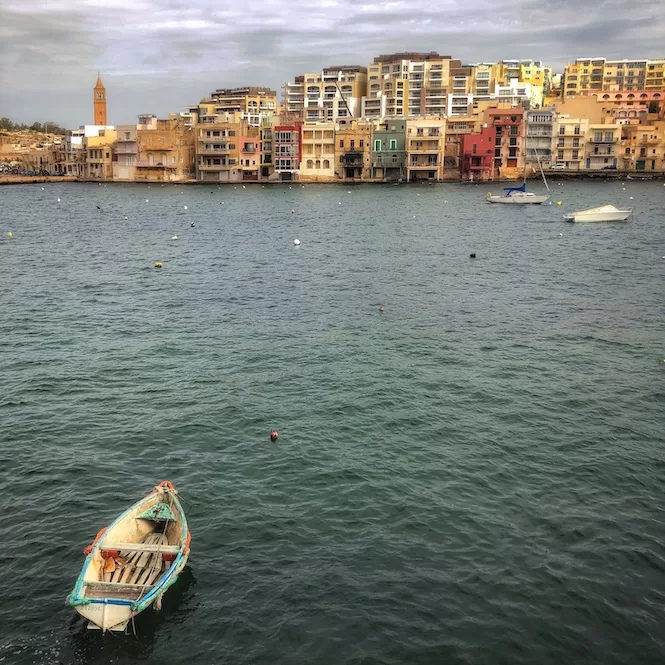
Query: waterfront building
509, 141
333, 94
99, 102
389, 149
571, 137
541, 137
408, 85
477, 154
165, 149
251, 102
425, 140
602, 146
456, 129
267, 130
353, 150
99, 146
318, 151
643, 147
126, 154
217, 151
287, 150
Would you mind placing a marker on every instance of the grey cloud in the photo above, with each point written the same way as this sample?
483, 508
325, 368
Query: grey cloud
161, 55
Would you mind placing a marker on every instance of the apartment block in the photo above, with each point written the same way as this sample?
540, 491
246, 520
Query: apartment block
425, 140
456, 129
389, 150
217, 149
318, 151
353, 151
335, 93
287, 151
571, 141
251, 102
408, 85
509, 142
541, 138
126, 154
643, 147
602, 146
594, 75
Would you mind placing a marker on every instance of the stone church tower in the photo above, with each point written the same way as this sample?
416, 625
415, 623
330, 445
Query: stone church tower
99, 102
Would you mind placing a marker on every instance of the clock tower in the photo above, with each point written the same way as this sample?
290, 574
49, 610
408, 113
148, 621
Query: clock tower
99, 102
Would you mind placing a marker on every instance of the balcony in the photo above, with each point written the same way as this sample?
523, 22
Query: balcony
217, 151
212, 167
145, 164
603, 140
249, 148
352, 159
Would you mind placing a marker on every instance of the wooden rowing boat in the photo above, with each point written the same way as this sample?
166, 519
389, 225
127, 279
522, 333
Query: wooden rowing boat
133, 561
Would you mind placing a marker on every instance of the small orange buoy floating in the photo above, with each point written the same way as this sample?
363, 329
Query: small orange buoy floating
274, 435
381, 308
158, 264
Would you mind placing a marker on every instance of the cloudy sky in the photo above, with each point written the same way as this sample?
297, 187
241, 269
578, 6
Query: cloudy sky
158, 56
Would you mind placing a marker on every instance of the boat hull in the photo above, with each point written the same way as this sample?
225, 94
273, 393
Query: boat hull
620, 216
518, 200
133, 562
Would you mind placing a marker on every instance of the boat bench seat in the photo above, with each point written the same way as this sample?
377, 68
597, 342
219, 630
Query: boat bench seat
138, 564
116, 590
142, 547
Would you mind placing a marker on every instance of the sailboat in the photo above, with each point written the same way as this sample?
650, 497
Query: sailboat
519, 194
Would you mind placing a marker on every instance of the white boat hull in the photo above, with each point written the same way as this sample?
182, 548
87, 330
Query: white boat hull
602, 214
519, 198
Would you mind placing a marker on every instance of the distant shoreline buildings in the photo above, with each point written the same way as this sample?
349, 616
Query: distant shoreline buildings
404, 117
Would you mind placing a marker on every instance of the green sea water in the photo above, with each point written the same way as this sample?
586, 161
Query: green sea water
475, 475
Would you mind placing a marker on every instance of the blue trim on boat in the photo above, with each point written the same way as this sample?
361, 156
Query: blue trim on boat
75, 597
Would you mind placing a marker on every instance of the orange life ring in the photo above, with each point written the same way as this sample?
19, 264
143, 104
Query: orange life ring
88, 549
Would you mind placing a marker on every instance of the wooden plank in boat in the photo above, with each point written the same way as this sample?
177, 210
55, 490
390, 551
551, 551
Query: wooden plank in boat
142, 547
115, 590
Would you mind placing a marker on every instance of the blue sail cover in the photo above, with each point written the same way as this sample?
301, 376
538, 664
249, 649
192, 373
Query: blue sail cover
510, 190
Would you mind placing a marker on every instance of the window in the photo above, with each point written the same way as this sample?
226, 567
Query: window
353, 144
107, 155
232, 146
576, 130
362, 143
232, 132
598, 136
473, 150
377, 145
576, 154
393, 144
513, 130
126, 136
609, 136
559, 155
562, 130
341, 143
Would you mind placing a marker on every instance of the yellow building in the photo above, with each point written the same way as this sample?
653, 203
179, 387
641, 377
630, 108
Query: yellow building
655, 75
318, 151
571, 142
408, 85
643, 147
165, 150
353, 151
425, 141
99, 154
593, 75
252, 103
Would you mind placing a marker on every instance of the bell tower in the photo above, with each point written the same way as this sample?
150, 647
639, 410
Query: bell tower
99, 102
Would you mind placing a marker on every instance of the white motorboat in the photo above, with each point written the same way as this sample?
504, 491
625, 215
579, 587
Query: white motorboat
606, 213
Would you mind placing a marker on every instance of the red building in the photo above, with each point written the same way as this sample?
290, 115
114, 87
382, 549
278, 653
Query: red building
509, 141
477, 152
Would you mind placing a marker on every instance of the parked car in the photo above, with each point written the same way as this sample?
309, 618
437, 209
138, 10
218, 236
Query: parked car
610, 167
558, 167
